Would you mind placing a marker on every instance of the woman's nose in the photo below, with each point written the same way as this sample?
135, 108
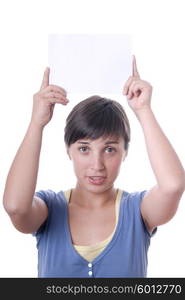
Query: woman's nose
97, 163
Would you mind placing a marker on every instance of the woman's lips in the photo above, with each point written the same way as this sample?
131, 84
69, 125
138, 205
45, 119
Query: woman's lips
96, 179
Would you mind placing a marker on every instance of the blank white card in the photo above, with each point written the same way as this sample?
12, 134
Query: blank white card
90, 63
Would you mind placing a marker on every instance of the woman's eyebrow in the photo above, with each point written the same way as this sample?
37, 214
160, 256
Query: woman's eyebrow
108, 142
111, 142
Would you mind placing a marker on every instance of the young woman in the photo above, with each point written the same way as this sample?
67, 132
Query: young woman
94, 229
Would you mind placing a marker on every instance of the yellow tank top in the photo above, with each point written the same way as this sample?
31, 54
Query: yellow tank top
90, 252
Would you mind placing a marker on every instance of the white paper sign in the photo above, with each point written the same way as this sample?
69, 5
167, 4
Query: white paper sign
90, 63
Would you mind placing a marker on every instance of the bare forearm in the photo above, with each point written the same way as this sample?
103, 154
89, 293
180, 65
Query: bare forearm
22, 176
165, 163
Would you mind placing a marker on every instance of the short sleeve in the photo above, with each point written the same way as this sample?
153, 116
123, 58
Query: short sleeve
48, 197
133, 205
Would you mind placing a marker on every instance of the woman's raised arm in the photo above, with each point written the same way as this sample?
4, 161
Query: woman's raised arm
26, 211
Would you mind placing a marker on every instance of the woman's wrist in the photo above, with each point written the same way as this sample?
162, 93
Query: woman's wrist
143, 113
35, 126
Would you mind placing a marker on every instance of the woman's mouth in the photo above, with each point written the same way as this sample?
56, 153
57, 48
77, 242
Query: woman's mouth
96, 179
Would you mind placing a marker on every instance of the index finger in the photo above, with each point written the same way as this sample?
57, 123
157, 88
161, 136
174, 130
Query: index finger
135, 72
45, 80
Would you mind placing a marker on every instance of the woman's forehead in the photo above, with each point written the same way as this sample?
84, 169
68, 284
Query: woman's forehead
103, 140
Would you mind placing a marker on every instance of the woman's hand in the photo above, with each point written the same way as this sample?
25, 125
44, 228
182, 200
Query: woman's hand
138, 91
45, 99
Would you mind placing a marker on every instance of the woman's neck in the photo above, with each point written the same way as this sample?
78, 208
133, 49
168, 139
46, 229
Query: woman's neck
88, 199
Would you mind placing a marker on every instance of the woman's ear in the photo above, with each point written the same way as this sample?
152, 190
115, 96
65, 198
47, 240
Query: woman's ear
124, 155
67, 150
69, 155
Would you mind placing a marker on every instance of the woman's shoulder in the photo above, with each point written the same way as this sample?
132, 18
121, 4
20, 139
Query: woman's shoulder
132, 199
133, 194
51, 197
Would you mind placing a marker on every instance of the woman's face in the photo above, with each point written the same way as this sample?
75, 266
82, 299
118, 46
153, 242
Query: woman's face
97, 162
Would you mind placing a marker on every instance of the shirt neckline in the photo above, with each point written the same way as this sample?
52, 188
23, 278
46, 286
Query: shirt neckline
108, 239
111, 242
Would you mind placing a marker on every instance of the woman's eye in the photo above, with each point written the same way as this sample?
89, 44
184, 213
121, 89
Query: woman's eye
83, 149
110, 149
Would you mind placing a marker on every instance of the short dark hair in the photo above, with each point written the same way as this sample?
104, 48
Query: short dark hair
97, 117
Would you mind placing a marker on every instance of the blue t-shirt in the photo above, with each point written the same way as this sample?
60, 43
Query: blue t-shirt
124, 256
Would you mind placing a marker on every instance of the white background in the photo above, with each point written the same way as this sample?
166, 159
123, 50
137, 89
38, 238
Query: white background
159, 46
